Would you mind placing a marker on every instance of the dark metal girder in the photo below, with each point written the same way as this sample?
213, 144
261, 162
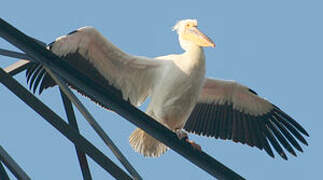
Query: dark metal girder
11, 164
123, 108
68, 131
23, 64
17, 67
13, 54
72, 121
3, 172
95, 125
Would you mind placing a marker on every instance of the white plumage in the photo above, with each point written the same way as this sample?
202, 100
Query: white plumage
231, 92
181, 96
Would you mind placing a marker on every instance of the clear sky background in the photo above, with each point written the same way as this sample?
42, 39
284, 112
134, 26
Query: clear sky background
274, 47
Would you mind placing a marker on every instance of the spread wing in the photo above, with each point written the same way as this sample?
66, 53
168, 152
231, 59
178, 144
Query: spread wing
88, 51
228, 110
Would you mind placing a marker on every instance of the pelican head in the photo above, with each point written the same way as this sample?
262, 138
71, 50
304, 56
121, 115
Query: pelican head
189, 35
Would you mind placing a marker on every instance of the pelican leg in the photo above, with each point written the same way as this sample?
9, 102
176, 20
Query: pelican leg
183, 136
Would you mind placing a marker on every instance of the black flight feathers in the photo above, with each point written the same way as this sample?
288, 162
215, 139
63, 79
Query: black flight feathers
225, 122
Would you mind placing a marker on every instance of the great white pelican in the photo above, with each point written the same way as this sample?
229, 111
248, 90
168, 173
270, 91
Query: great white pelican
181, 96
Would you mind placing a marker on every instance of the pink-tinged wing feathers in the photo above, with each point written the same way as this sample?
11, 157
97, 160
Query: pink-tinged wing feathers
229, 110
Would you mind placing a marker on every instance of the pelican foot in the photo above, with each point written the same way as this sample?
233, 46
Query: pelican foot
183, 136
194, 145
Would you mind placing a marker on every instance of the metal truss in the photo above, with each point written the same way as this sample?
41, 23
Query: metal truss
62, 72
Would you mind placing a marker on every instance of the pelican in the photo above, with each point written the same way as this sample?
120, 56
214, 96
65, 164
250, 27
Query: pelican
182, 98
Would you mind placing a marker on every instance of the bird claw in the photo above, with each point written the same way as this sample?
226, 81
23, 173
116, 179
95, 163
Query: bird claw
194, 145
183, 136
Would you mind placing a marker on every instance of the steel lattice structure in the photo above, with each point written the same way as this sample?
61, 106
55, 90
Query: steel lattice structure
35, 51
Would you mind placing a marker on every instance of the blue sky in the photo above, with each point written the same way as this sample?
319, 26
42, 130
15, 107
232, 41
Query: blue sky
274, 47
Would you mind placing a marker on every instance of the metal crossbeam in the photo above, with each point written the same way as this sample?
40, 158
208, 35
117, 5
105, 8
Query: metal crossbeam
72, 121
17, 67
3, 172
108, 98
13, 54
68, 131
22, 64
106, 139
12, 165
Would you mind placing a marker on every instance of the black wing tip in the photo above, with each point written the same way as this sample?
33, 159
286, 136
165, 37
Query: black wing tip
293, 153
283, 155
287, 134
299, 149
280, 137
291, 121
268, 149
276, 136
305, 133
32, 73
305, 142
37, 77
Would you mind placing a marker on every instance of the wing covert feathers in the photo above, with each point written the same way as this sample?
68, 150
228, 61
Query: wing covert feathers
217, 115
87, 50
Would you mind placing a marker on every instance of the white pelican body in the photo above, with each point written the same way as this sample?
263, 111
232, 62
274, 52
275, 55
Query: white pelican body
181, 96
176, 89
176, 93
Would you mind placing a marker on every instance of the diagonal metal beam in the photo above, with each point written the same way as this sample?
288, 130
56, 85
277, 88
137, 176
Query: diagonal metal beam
108, 97
106, 139
3, 172
72, 121
12, 165
17, 67
22, 64
13, 54
68, 131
